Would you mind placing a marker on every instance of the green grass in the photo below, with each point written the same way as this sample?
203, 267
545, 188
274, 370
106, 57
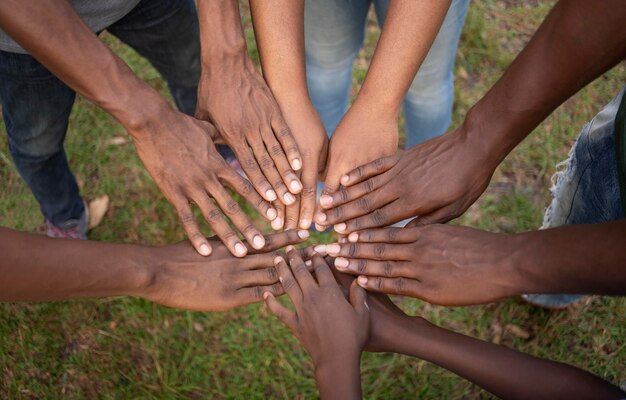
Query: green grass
130, 348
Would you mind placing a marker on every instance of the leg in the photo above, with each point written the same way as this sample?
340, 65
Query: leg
36, 107
167, 33
587, 191
428, 103
334, 32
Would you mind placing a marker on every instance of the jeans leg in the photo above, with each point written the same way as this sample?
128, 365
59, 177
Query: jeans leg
428, 103
167, 33
36, 107
334, 32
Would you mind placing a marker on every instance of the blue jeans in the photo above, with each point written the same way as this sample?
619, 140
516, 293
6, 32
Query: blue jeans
36, 105
334, 33
586, 189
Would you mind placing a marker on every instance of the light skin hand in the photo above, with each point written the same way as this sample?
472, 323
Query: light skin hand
436, 180
332, 329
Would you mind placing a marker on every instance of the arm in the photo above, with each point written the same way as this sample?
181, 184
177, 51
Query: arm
279, 30
177, 150
455, 265
369, 130
332, 328
563, 56
234, 96
38, 268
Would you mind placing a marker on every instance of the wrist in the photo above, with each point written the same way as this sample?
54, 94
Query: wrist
142, 272
374, 105
340, 377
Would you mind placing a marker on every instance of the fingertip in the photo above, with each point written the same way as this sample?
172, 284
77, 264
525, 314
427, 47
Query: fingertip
271, 214
319, 228
240, 250
305, 223
295, 187
345, 180
277, 223
289, 249
205, 249
289, 199
278, 260
362, 281
340, 228
258, 242
303, 234
270, 195
296, 164
326, 200
353, 237
266, 295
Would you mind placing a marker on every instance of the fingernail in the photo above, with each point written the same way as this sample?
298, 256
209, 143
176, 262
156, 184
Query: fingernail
320, 228
271, 195
296, 164
295, 186
345, 179
258, 242
278, 259
340, 227
326, 200
320, 217
240, 249
353, 237
289, 248
341, 262
333, 249
204, 249
308, 263
362, 280
303, 234
289, 199
271, 214
266, 295
320, 248
305, 224
277, 223
343, 240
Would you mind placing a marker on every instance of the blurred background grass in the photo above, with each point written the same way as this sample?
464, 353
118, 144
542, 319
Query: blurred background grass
130, 348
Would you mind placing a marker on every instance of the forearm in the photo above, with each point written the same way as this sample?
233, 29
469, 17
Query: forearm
504, 372
37, 268
279, 31
340, 379
577, 42
408, 33
56, 36
586, 259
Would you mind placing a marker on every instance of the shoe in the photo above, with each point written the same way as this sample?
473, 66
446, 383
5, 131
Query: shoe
72, 229
552, 301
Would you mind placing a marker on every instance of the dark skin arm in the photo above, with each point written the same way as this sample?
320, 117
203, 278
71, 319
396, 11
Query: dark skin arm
438, 180
455, 265
504, 372
234, 96
177, 150
331, 327
38, 268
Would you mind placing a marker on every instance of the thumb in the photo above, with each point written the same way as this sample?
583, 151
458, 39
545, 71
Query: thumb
358, 299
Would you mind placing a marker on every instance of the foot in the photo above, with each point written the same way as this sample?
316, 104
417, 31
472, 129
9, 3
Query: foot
72, 229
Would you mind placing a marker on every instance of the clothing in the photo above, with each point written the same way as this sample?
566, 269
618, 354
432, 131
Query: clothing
334, 33
97, 14
587, 190
36, 105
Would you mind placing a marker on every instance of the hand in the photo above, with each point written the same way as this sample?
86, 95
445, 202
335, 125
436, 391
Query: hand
442, 264
330, 327
221, 282
309, 133
178, 152
246, 115
437, 181
361, 137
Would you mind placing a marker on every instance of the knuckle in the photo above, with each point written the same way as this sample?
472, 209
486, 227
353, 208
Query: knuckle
359, 172
246, 188
379, 284
369, 185
343, 195
379, 164
378, 217
363, 203
213, 215
300, 268
276, 150
265, 162
392, 234
187, 219
308, 191
272, 274
258, 292
387, 269
289, 283
232, 207
248, 163
361, 266
283, 132
352, 249
276, 288
379, 250
399, 285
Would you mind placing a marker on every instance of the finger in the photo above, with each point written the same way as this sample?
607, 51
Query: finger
230, 207
370, 251
387, 215
352, 193
369, 170
358, 299
385, 269
292, 212
307, 196
242, 186
281, 312
388, 235
279, 222
357, 208
331, 184
300, 271
282, 239
252, 170
284, 136
197, 239
257, 277
401, 286
322, 271
218, 223
282, 165
436, 217
269, 170
288, 281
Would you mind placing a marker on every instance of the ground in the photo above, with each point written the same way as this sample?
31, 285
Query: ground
130, 348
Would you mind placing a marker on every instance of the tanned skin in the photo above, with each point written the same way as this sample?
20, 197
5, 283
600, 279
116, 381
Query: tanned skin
369, 129
38, 268
176, 149
439, 179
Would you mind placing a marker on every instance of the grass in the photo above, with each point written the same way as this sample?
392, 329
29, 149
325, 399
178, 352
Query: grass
130, 348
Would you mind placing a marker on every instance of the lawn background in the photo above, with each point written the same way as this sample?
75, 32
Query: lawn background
130, 348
